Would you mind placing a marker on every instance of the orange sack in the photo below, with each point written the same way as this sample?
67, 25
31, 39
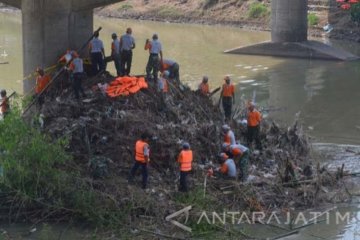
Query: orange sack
124, 86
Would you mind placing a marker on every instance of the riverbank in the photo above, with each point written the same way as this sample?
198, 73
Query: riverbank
249, 15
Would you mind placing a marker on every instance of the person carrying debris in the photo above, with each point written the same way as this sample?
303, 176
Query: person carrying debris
204, 86
5, 107
229, 136
185, 159
97, 54
155, 49
142, 158
172, 67
42, 81
77, 69
115, 53
127, 44
253, 126
228, 167
227, 97
240, 155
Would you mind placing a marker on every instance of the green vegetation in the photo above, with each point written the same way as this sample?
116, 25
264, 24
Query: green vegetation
28, 159
312, 19
125, 7
165, 11
258, 10
39, 171
355, 12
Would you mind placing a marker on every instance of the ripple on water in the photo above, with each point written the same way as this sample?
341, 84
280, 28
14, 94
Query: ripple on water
247, 67
247, 81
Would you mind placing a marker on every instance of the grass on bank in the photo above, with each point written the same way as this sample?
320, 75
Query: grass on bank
313, 19
258, 10
39, 171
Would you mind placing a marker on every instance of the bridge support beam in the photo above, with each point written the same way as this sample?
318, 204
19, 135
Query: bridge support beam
289, 20
289, 36
50, 27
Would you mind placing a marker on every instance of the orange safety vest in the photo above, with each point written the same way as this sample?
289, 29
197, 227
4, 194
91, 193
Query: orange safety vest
254, 118
237, 152
228, 90
224, 168
148, 46
139, 151
227, 139
185, 159
41, 83
166, 85
204, 88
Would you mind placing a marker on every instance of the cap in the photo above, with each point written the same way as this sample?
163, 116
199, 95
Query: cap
186, 145
224, 156
225, 145
225, 127
166, 73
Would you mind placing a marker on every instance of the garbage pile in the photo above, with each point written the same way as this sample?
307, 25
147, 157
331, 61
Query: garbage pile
102, 132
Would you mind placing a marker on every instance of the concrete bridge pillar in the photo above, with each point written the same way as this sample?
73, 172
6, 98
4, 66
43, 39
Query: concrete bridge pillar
289, 20
52, 26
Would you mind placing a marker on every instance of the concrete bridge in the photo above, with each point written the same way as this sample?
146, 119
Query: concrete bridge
52, 26
49, 27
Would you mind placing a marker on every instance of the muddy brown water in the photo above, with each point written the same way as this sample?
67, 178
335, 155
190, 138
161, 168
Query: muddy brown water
324, 93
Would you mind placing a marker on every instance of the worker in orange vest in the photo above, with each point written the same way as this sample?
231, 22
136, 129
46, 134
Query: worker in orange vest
41, 80
185, 159
204, 86
253, 126
229, 136
228, 167
4, 103
142, 158
77, 69
227, 97
240, 154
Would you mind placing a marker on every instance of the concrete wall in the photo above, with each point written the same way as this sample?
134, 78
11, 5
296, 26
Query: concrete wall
289, 20
49, 28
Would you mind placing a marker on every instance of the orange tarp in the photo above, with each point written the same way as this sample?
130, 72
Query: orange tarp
124, 86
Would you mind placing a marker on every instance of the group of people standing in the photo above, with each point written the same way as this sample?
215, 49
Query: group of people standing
142, 159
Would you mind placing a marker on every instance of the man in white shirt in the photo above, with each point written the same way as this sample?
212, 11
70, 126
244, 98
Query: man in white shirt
155, 49
115, 53
127, 44
97, 53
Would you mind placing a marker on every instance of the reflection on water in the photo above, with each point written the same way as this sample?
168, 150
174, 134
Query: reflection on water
326, 93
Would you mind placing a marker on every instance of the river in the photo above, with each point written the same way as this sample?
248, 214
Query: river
324, 93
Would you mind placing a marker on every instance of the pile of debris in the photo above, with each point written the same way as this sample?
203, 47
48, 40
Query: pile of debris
102, 132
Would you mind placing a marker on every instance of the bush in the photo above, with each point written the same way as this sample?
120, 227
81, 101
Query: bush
257, 10
355, 12
312, 19
28, 159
